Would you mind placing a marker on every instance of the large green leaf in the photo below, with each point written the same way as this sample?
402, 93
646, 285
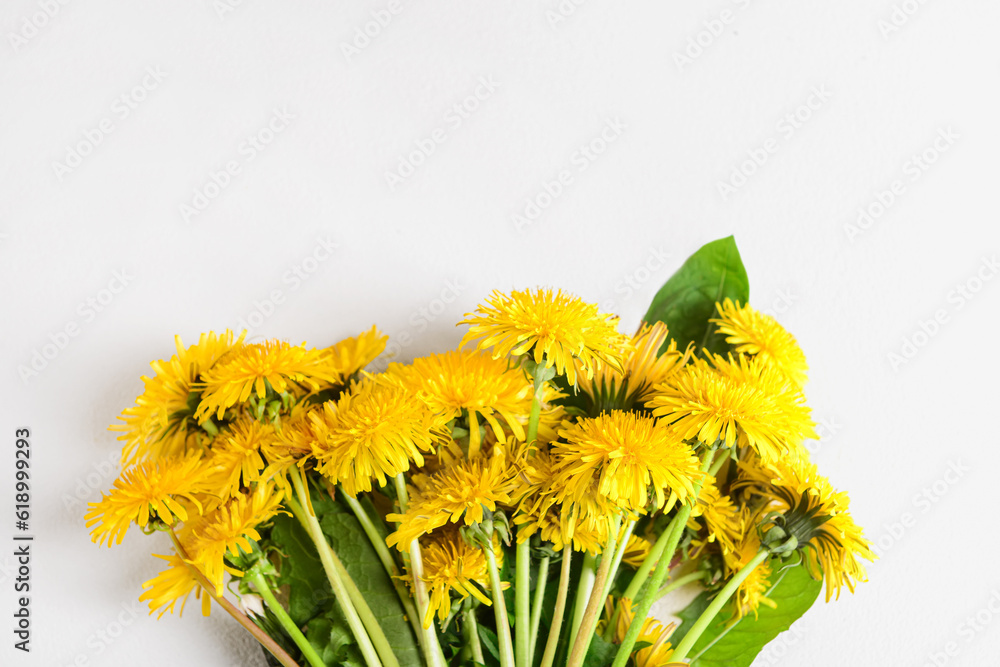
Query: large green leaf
311, 603
687, 300
351, 544
793, 596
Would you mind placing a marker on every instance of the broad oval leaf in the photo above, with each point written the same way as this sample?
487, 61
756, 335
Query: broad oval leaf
687, 300
794, 595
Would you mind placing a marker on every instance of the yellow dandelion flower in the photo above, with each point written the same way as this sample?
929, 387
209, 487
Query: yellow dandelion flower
636, 550
252, 369
161, 422
450, 564
751, 593
739, 401
754, 333
832, 544
342, 360
460, 494
626, 456
720, 517
654, 633
558, 329
371, 432
236, 459
172, 585
544, 507
471, 381
153, 489
229, 529
643, 367
293, 442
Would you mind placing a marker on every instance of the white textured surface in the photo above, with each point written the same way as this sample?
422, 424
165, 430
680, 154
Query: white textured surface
444, 236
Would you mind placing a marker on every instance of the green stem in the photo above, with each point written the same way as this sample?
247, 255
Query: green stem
471, 629
680, 581
378, 543
559, 611
260, 583
536, 609
208, 588
522, 604
675, 531
522, 566
619, 554
307, 518
699, 627
428, 635
499, 609
585, 633
475, 437
731, 626
652, 558
584, 588
714, 470
371, 624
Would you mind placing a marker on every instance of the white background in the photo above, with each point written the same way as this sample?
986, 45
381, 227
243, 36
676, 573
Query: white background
645, 196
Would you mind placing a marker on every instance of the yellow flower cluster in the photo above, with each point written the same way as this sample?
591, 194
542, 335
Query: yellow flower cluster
547, 426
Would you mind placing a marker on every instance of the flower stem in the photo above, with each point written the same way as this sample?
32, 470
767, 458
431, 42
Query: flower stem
585, 633
428, 635
307, 518
378, 543
619, 555
471, 629
499, 610
474, 435
699, 627
714, 470
524, 650
680, 581
536, 610
260, 583
555, 628
522, 604
262, 637
675, 530
584, 588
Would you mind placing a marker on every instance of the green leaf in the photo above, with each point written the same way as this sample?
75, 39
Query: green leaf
311, 602
351, 544
687, 300
601, 653
793, 596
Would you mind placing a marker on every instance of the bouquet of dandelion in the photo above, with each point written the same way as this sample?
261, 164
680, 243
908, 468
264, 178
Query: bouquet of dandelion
519, 502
